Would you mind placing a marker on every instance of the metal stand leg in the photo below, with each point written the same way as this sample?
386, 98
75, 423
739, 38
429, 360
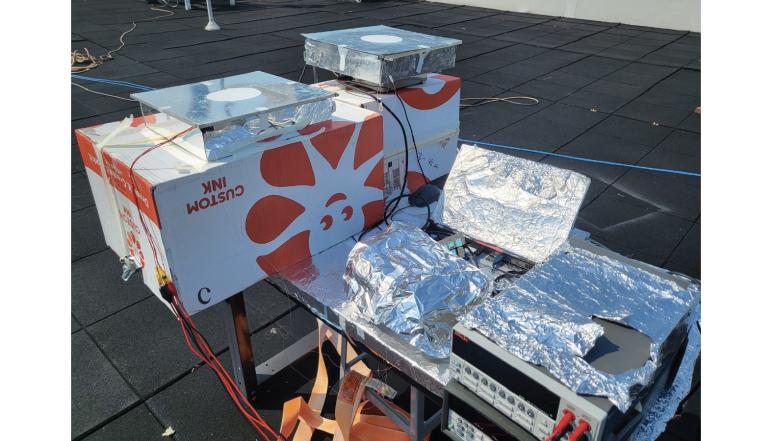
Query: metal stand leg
416, 414
417, 428
237, 328
316, 76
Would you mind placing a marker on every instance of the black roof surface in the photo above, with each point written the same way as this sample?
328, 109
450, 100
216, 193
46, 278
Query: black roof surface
607, 91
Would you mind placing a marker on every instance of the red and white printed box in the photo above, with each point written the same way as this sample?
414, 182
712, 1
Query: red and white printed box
218, 227
432, 108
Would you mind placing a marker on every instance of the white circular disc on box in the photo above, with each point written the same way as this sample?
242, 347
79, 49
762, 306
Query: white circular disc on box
381, 39
234, 94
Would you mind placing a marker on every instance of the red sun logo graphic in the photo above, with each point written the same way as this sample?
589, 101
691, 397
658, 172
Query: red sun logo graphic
323, 190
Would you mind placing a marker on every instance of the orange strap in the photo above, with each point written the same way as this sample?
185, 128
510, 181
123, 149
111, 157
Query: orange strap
309, 414
354, 420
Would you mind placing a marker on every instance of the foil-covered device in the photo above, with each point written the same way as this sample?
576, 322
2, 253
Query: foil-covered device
317, 283
407, 282
524, 207
588, 330
379, 54
230, 113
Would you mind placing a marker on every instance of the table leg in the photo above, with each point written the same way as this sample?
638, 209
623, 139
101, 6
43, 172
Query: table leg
237, 329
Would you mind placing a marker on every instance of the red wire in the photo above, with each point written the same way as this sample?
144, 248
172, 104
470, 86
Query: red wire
228, 388
134, 192
227, 381
203, 344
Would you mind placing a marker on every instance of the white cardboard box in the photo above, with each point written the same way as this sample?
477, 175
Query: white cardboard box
432, 108
219, 227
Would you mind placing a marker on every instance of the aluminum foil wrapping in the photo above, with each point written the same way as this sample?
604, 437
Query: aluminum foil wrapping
317, 283
404, 280
524, 207
655, 422
545, 318
376, 53
219, 143
235, 111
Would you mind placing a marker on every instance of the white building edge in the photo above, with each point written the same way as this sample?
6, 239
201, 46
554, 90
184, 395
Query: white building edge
668, 14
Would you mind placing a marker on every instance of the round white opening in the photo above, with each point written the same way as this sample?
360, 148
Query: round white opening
381, 39
234, 94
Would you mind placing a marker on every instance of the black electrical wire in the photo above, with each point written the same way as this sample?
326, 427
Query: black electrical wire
472, 255
303, 72
386, 214
412, 134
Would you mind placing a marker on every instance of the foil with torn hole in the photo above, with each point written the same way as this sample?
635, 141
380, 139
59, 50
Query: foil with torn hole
545, 318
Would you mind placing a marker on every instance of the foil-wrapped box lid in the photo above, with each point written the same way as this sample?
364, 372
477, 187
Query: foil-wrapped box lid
407, 282
232, 113
207, 103
524, 207
379, 54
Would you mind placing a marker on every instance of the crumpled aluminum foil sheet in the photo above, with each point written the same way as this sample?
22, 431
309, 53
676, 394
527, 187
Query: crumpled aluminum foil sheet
524, 207
665, 407
404, 280
317, 283
219, 142
545, 317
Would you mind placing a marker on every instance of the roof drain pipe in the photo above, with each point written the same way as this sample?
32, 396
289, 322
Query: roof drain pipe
211, 26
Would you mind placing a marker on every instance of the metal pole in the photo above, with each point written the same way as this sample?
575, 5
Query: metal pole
211, 26
416, 414
237, 329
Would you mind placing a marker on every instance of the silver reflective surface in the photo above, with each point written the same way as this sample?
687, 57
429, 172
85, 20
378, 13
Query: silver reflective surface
379, 54
382, 40
208, 103
545, 317
404, 280
317, 282
665, 407
225, 138
524, 207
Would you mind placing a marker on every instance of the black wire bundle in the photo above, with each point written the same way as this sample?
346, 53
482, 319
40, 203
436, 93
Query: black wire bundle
386, 214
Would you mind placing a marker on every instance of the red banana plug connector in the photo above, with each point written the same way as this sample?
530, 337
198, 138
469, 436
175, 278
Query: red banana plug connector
583, 427
568, 416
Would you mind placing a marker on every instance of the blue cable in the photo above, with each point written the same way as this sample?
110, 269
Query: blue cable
145, 88
585, 159
115, 82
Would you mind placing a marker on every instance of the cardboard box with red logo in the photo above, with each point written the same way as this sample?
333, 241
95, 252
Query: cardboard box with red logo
218, 227
432, 109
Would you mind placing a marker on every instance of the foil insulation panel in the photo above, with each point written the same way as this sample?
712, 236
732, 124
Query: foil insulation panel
379, 54
545, 318
524, 207
407, 282
232, 112
655, 422
317, 283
